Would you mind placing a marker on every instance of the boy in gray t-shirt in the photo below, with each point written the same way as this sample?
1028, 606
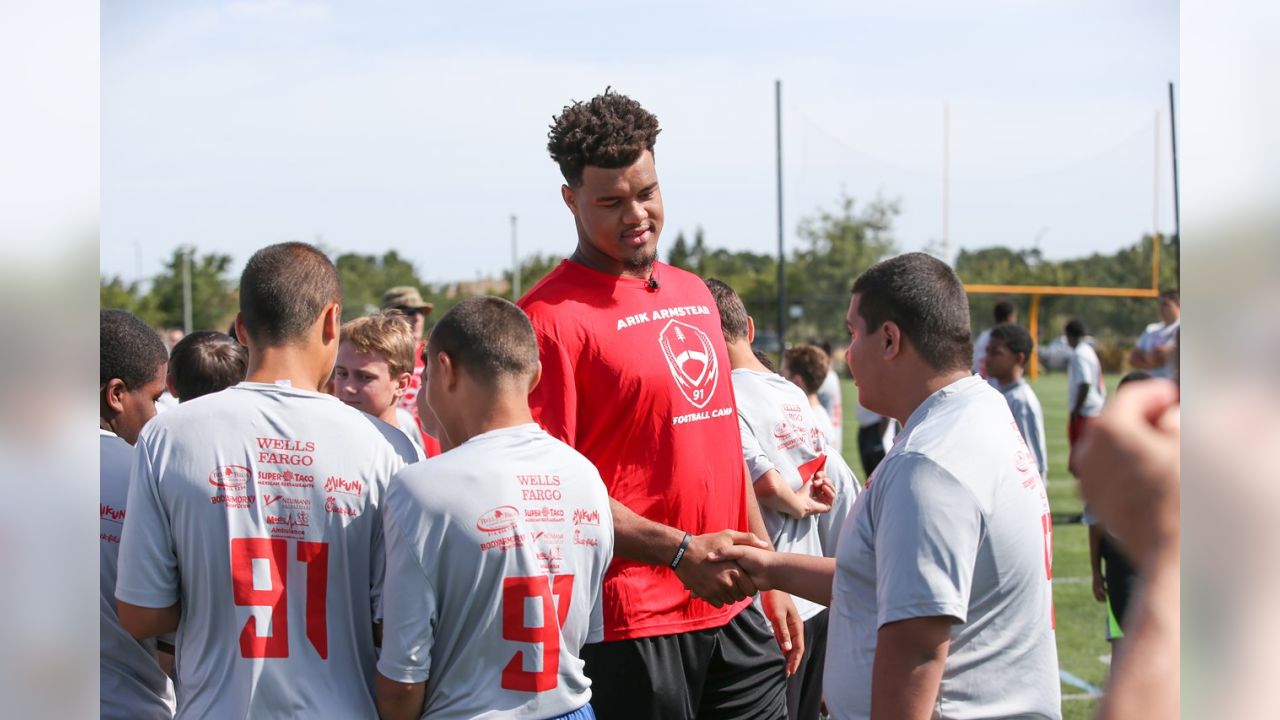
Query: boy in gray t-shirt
1008, 348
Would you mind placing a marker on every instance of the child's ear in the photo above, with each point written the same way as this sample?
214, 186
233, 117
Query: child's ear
113, 395
403, 382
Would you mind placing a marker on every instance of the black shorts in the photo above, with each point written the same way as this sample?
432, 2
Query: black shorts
734, 671
804, 689
1120, 576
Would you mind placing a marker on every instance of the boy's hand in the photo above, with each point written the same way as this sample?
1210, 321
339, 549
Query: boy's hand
753, 560
1099, 587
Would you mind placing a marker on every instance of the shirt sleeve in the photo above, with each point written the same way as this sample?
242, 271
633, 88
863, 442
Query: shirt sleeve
408, 603
554, 401
148, 565
1035, 423
758, 463
928, 528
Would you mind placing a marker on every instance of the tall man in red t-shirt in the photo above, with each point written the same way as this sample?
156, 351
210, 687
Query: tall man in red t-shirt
635, 376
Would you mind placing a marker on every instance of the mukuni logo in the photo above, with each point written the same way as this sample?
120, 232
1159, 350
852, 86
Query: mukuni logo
230, 477
582, 516
498, 519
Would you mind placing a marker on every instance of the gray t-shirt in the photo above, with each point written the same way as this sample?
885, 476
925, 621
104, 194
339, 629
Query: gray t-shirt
1025, 407
829, 396
954, 522
1085, 369
496, 555
259, 509
131, 683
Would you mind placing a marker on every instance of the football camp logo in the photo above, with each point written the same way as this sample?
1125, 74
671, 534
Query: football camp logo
692, 359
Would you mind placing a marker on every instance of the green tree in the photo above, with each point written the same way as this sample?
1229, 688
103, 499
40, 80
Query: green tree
214, 302
366, 277
116, 293
837, 246
532, 270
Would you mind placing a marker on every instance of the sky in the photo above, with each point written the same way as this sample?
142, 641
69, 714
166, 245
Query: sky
421, 127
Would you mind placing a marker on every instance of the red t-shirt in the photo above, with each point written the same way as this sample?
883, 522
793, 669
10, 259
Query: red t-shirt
637, 380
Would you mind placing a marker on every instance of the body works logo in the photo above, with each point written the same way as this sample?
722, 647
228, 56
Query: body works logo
111, 514
498, 519
582, 516
337, 484
230, 477
692, 360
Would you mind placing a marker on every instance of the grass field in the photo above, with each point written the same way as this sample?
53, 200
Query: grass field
1082, 648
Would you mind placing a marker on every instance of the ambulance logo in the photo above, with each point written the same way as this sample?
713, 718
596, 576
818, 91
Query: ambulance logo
692, 359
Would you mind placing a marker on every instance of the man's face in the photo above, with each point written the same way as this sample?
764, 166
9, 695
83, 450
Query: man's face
139, 406
619, 216
1000, 360
363, 381
865, 358
1169, 310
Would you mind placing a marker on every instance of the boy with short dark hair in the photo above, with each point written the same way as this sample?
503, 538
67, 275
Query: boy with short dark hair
255, 516
1008, 348
1086, 390
205, 362
806, 366
509, 518
131, 378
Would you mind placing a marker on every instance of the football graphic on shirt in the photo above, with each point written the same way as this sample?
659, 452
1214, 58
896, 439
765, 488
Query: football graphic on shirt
692, 359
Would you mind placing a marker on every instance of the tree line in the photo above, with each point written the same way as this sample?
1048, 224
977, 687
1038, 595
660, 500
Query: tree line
836, 244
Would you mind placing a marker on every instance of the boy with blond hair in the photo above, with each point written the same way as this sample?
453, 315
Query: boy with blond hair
375, 369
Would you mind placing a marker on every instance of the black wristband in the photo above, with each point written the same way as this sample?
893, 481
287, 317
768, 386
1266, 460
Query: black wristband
684, 545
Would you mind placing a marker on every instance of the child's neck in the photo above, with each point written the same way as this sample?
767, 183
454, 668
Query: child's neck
1014, 377
813, 400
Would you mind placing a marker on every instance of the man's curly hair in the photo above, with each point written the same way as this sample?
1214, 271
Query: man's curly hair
608, 131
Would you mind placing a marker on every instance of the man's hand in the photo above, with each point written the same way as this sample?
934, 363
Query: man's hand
788, 628
754, 560
718, 583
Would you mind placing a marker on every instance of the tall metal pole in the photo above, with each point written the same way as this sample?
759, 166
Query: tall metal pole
186, 289
782, 277
1155, 213
946, 183
515, 262
1177, 221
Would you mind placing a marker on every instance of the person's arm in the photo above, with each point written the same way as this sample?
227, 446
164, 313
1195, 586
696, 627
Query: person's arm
643, 540
399, 701
1095, 563
144, 622
907, 672
774, 492
779, 609
1082, 392
1146, 675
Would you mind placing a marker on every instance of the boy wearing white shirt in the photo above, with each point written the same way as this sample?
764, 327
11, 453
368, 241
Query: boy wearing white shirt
1157, 348
497, 549
941, 592
131, 378
254, 525
1086, 391
784, 450
1008, 348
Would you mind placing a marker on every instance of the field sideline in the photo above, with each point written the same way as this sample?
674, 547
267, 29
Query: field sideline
1081, 620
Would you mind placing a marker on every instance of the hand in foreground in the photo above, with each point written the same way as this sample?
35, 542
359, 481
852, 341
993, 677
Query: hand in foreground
718, 583
754, 560
1130, 468
788, 628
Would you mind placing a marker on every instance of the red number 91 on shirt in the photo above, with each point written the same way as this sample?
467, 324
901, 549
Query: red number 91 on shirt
275, 554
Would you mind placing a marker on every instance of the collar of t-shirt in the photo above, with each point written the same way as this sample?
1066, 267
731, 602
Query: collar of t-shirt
521, 429
603, 279
940, 396
103, 432
282, 386
1006, 388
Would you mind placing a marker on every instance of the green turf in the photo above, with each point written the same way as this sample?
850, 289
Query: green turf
1081, 620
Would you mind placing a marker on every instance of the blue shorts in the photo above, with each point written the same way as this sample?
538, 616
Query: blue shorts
583, 713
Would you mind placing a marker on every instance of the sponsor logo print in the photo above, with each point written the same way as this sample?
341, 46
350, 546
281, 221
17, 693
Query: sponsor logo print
284, 501
504, 543
111, 514
793, 413
234, 501
544, 514
583, 516
285, 478
337, 484
580, 539
230, 477
498, 519
692, 359
290, 519
1022, 460
331, 506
